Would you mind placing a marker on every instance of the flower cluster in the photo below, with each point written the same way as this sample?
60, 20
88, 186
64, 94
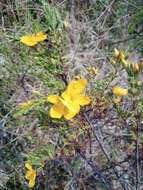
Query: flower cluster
68, 104
30, 175
33, 39
136, 67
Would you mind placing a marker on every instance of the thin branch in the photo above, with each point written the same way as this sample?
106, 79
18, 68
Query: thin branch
105, 152
137, 153
97, 171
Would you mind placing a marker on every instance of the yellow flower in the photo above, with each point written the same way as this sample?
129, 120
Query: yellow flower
119, 91
28, 40
33, 39
68, 105
30, 175
62, 108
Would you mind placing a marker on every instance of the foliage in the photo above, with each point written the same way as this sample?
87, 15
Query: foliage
99, 146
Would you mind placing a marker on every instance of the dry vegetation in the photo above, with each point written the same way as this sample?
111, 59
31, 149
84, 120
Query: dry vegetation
100, 148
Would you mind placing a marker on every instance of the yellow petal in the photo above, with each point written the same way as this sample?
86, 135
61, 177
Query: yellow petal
77, 86
27, 175
28, 166
53, 99
40, 36
66, 103
71, 105
66, 95
57, 110
119, 91
82, 100
30, 175
33, 175
28, 40
32, 40
39, 33
31, 183
70, 113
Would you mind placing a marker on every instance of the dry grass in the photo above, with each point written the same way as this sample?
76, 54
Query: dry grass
104, 154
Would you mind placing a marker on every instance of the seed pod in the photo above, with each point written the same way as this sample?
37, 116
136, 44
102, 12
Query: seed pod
119, 54
135, 67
